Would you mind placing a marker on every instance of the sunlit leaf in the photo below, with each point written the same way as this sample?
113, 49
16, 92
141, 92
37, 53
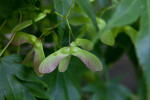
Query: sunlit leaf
64, 64
90, 60
51, 62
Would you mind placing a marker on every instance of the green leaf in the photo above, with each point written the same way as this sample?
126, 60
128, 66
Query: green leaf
130, 11
1, 87
36, 91
62, 7
12, 74
9, 7
27, 95
22, 25
84, 43
127, 12
91, 30
107, 91
42, 15
1, 92
51, 62
108, 38
79, 20
143, 43
64, 64
22, 72
90, 60
131, 32
112, 54
87, 8
64, 86
25, 24
11, 86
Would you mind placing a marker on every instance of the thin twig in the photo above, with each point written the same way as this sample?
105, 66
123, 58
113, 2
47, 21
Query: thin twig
12, 37
70, 29
67, 24
65, 17
3, 24
59, 14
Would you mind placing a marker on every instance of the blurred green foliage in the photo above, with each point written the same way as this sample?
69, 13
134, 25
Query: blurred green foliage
116, 27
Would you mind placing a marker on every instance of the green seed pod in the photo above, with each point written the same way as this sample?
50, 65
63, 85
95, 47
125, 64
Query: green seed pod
90, 60
64, 64
84, 43
108, 38
39, 56
21, 38
63, 56
51, 62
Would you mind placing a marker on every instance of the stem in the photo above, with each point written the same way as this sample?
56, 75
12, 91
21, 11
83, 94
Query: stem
44, 33
18, 50
3, 24
20, 17
12, 37
28, 57
65, 17
59, 14
108, 8
67, 23
70, 31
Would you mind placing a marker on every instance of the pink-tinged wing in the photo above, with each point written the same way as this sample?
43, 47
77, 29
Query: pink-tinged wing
51, 62
90, 60
22, 37
84, 43
38, 57
64, 64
